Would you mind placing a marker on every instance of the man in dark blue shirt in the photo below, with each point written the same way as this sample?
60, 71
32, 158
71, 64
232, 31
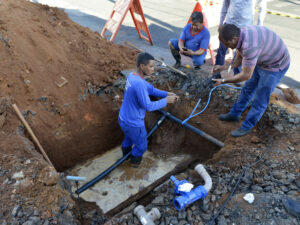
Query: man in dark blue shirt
135, 104
193, 41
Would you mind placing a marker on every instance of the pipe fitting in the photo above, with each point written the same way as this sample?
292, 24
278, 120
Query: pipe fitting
205, 176
144, 217
186, 198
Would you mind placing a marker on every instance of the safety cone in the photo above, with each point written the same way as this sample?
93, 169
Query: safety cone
197, 8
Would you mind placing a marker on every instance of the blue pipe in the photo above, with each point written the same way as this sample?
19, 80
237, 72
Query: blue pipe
186, 198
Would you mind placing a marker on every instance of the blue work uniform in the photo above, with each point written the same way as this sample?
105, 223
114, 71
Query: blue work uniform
132, 113
194, 42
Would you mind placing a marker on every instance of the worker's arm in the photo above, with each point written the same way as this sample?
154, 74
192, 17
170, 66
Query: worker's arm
237, 61
242, 76
201, 51
156, 92
224, 10
180, 45
144, 100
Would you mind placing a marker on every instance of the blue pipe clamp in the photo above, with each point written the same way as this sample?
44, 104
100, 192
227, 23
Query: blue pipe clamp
186, 198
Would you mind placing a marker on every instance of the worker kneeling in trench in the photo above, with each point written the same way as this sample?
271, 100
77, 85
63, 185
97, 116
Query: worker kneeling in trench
136, 102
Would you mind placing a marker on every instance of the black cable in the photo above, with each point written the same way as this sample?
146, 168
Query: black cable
270, 144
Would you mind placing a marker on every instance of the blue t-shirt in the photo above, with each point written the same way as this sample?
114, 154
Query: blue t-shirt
136, 100
196, 41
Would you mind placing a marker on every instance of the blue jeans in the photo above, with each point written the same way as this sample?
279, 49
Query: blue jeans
136, 136
198, 60
261, 85
220, 58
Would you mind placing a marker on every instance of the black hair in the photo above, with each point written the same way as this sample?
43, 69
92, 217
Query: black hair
143, 58
229, 31
197, 17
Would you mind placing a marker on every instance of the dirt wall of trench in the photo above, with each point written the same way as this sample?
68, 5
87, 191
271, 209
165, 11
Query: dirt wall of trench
38, 46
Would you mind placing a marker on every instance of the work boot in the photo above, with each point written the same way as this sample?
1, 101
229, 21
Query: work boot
292, 206
176, 56
135, 161
197, 68
125, 151
240, 132
228, 117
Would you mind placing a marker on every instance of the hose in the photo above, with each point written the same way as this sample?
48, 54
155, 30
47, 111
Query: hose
208, 101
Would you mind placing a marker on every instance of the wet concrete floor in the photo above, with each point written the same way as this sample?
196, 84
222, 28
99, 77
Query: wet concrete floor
125, 181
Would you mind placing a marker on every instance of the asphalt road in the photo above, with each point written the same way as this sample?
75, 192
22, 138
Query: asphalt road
166, 18
289, 30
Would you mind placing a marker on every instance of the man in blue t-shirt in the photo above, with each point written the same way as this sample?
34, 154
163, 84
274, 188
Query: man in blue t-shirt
193, 41
135, 104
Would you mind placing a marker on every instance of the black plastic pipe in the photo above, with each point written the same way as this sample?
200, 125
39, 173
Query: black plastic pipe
194, 129
119, 162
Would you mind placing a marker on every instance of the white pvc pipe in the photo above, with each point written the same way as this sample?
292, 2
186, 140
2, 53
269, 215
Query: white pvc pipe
146, 218
205, 176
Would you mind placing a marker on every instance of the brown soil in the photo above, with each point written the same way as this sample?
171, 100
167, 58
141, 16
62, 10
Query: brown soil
38, 45
42, 45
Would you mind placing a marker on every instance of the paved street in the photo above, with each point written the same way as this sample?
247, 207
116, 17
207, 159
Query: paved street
166, 18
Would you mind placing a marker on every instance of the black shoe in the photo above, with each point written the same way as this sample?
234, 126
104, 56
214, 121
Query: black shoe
197, 67
292, 206
125, 151
229, 117
177, 65
176, 56
240, 132
135, 161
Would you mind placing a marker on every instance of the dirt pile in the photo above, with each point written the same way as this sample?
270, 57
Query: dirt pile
40, 45
40, 48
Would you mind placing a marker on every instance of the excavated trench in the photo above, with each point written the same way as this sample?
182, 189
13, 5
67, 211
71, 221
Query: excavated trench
94, 129
171, 149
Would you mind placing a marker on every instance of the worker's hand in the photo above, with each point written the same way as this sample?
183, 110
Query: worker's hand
218, 81
187, 52
171, 94
172, 99
217, 69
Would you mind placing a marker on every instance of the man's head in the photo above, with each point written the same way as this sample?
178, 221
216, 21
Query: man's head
229, 35
145, 63
196, 21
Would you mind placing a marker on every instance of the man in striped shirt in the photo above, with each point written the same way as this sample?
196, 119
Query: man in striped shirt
265, 60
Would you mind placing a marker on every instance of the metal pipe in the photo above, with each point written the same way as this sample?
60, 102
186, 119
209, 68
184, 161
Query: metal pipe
119, 162
192, 128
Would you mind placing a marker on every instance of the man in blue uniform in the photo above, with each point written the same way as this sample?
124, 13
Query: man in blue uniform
135, 104
193, 41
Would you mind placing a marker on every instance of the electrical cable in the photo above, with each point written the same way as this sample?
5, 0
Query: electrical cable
208, 101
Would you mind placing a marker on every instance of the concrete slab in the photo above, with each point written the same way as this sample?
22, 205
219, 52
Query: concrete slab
124, 182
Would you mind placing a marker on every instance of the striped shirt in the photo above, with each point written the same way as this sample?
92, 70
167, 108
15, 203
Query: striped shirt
260, 46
